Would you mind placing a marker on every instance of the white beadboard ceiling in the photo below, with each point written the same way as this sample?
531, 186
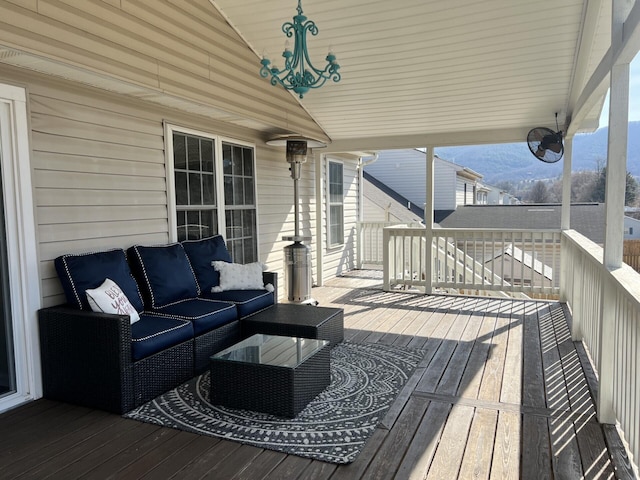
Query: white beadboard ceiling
454, 72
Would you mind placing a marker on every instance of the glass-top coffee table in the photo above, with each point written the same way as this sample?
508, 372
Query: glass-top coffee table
272, 374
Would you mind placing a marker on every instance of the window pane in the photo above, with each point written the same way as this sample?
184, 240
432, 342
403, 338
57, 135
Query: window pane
226, 159
193, 224
249, 249
208, 190
228, 190
179, 151
182, 197
182, 221
237, 160
195, 189
209, 223
195, 184
238, 191
206, 149
193, 153
248, 192
248, 162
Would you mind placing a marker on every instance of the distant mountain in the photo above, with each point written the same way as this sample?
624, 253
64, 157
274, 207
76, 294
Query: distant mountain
514, 161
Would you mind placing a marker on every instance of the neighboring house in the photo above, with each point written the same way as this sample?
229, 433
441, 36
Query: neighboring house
482, 194
121, 129
405, 172
497, 196
382, 204
631, 228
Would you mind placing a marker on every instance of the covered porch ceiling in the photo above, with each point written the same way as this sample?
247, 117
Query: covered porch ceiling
443, 73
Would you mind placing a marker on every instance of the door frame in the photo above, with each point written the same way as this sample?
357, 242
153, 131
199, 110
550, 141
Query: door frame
24, 279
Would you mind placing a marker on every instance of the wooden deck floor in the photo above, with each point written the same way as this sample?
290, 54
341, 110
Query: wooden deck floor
502, 392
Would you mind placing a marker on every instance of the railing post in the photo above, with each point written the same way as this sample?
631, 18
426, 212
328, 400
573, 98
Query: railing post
386, 254
360, 245
577, 296
605, 411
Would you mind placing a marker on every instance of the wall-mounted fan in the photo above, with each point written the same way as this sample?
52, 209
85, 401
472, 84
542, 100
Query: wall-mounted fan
545, 144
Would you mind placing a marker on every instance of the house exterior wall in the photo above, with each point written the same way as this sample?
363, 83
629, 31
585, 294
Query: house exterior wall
100, 180
444, 190
404, 171
631, 228
168, 51
337, 260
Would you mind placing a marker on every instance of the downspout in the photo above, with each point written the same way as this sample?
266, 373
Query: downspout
320, 194
361, 165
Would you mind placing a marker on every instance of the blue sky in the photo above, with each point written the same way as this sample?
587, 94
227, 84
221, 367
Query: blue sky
634, 96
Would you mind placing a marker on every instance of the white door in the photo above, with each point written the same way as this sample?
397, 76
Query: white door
19, 281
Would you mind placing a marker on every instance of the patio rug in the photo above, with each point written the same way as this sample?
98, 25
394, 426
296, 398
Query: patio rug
365, 379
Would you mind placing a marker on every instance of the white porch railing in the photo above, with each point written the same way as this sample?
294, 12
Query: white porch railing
514, 261
370, 244
605, 305
605, 308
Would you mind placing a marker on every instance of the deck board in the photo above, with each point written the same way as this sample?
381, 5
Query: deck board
501, 393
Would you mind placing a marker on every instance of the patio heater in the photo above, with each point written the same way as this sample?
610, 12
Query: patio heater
297, 255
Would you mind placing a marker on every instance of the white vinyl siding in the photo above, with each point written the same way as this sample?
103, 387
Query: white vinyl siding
342, 258
99, 176
404, 171
175, 53
444, 191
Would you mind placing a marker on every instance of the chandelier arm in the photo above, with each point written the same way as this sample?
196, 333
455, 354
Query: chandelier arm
299, 74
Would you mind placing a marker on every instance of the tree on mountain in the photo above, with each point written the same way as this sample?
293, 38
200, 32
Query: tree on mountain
598, 192
506, 186
539, 193
582, 185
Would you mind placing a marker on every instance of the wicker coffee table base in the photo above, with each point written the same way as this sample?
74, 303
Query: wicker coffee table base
280, 391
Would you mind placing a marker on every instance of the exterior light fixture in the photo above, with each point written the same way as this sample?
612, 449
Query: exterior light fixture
298, 73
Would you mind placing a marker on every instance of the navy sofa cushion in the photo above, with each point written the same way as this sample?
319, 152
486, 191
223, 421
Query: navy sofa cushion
205, 315
201, 253
247, 301
154, 333
81, 272
164, 273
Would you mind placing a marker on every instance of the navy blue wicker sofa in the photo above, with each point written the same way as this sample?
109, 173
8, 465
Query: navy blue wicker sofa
114, 362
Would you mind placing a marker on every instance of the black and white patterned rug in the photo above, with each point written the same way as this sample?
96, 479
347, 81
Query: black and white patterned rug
365, 379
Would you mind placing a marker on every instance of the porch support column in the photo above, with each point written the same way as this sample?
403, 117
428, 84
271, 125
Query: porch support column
565, 220
614, 208
428, 222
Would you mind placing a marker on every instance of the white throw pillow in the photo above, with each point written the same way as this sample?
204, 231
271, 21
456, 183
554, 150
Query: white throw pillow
234, 276
109, 298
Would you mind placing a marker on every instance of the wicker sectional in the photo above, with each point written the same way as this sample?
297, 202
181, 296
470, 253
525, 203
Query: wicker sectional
116, 363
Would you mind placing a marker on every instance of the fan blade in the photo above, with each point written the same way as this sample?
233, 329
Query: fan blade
555, 147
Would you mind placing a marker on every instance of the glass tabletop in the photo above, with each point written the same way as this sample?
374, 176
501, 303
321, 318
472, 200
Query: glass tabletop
272, 350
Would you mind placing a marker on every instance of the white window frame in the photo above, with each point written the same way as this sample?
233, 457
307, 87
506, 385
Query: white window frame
330, 243
218, 140
24, 279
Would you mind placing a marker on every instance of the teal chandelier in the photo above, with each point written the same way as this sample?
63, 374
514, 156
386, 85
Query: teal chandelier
298, 73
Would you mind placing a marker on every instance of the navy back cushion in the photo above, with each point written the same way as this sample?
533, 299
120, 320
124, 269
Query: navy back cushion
164, 273
79, 273
201, 253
